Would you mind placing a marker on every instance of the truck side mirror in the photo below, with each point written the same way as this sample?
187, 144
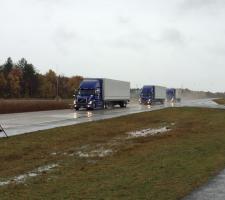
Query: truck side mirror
97, 91
75, 93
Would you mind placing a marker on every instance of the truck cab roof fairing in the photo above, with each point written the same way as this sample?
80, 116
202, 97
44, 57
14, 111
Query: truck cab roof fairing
170, 90
147, 88
89, 84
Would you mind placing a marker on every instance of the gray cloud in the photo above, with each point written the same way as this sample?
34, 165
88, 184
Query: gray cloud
63, 38
160, 38
199, 4
137, 41
172, 36
141, 41
124, 20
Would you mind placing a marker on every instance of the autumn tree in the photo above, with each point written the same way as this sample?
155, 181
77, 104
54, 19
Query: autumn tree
22, 80
48, 84
62, 86
3, 84
73, 84
7, 67
30, 80
14, 79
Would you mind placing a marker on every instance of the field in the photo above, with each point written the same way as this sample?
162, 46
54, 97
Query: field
220, 101
15, 106
99, 160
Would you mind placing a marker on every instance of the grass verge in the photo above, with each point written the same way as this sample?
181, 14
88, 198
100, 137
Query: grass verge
156, 167
220, 101
16, 106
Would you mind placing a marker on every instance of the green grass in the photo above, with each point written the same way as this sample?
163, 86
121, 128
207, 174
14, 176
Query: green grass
16, 105
220, 101
159, 167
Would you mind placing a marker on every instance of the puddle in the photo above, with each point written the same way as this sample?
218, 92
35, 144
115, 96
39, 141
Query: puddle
112, 146
148, 132
102, 152
23, 177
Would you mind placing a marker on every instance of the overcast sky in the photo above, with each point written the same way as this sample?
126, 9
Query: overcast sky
176, 43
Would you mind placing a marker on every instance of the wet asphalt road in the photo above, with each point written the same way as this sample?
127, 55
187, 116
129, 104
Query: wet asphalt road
20, 123
214, 190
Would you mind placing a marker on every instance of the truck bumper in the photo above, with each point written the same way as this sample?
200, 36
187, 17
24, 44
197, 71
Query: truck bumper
86, 106
144, 102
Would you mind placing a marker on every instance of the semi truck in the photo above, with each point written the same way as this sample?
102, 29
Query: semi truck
151, 94
96, 93
173, 95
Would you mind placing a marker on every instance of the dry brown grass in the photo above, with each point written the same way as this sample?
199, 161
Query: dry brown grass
15, 106
220, 101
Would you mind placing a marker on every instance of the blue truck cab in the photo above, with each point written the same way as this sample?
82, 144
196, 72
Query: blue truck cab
89, 95
146, 95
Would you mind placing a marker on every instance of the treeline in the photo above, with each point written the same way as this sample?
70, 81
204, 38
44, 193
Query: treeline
21, 80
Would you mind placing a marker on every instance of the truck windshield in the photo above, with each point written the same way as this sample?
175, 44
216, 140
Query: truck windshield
86, 92
146, 92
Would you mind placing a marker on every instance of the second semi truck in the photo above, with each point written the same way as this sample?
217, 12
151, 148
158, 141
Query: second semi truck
95, 93
151, 94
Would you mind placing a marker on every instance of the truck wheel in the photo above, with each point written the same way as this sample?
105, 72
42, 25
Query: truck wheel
123, 105
94, 106
108, 105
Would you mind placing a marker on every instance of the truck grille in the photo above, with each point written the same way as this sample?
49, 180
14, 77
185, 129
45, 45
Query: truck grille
82, 101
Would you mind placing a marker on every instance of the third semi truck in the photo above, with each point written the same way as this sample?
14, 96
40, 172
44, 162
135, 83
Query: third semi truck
151, 94
95, 93
173, 95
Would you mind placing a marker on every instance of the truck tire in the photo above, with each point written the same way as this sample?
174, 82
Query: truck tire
121, 104
109, 105
94, 106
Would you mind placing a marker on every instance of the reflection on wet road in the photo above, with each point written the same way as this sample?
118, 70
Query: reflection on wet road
20, 123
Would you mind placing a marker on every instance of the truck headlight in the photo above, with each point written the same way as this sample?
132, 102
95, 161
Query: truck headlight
74, 102
90, 102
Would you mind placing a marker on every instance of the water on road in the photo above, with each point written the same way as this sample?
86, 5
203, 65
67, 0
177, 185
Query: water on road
19, 123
